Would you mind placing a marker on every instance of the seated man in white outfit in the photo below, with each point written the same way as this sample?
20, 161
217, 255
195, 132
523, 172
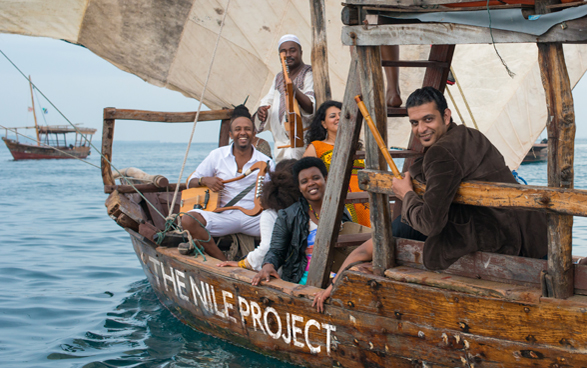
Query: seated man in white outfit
221, 164
271, 113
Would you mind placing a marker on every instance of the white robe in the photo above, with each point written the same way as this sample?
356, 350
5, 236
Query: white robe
277, 127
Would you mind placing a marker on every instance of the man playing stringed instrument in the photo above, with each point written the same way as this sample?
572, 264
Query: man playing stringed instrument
273, 111
215, 172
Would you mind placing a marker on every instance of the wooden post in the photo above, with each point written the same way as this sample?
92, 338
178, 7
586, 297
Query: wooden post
223, 138
107, 137
319, 53
561, 140
371, 77
559, 280
337, 185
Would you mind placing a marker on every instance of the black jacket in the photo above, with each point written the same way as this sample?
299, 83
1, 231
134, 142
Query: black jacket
290, 240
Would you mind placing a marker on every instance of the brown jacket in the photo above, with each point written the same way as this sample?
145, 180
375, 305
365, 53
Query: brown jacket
454, 230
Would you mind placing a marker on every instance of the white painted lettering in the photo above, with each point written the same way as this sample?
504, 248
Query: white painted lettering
244, 313
296, 330
313, 349
218, 313
288, 338
169, 277
201, 295
181, 286
157, 264
228, 306
277, 334
256, 311
328, 328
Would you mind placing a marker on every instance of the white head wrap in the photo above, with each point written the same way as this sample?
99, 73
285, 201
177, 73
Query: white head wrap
288, 37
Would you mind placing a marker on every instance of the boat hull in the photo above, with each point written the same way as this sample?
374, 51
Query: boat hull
21, 151
371, 322
538, 153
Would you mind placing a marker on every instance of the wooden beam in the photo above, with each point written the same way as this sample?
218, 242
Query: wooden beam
450, 33
223, 135
549, 199
143, 188
371, 77
415, 64
561, 142
319, 53
107, 137
166, 117
338, 181
402, 2
436, 76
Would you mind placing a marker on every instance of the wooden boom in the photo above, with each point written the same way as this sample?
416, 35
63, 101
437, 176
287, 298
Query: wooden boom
293, 118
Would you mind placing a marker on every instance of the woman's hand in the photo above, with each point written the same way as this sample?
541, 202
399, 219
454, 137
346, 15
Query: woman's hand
228, 264
320, 297
265, 274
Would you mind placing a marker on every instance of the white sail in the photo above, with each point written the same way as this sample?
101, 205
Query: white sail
170, 44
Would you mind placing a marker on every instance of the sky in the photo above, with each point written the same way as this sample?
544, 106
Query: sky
81, 85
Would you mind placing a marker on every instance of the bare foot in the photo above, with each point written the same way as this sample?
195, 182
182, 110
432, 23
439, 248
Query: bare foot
394, 100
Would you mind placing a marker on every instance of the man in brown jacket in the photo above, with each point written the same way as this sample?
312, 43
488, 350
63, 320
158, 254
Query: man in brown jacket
452, 154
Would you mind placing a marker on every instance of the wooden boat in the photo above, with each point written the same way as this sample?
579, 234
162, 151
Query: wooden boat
48, 143
486, 310
52, 147
538, 153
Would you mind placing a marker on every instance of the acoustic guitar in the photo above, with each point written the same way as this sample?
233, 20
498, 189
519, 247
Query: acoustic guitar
204, 198
293, 118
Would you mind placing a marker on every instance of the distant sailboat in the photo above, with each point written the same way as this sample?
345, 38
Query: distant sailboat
49, 144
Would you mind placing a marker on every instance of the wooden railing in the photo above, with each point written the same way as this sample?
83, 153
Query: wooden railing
111, 115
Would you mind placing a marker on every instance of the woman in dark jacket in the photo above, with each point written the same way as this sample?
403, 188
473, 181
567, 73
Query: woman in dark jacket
296, 225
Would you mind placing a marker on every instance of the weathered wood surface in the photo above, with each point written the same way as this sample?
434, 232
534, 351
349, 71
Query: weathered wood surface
488, 317
166, 117
319, 53
223, 135
107, 137
372, 321
561, 143
559, 200
402, 2
339, 177
450, 33
143, 188
117, 203
479, 265
415, 63
491, 289
436, 76
371, 75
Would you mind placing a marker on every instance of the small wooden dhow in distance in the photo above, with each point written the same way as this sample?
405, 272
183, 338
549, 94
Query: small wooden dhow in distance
49, 145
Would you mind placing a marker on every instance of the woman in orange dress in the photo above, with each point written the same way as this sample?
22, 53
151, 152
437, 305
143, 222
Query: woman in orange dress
321, 138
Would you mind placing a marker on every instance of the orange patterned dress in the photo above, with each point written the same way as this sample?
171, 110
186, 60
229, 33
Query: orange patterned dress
359, 211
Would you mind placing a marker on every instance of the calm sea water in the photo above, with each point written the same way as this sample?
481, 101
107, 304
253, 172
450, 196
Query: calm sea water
72, 292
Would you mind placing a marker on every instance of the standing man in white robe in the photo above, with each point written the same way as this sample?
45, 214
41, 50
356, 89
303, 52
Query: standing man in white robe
271, 113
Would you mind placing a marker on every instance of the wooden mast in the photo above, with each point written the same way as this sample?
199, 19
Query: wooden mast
35, 113
559, 280
319, 53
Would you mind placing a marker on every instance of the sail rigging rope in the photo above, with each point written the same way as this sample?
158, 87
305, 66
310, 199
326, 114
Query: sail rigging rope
510, 73
200, 104
83, 135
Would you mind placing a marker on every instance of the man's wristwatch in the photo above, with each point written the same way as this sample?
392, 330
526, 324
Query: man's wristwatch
200, 182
